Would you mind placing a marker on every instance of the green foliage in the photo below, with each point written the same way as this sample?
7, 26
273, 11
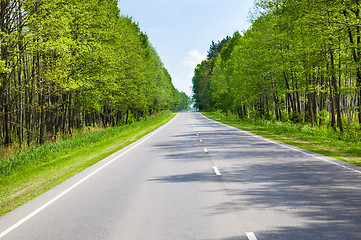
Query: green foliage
68, 64
201, 85
182, 101
298, 62
3, 68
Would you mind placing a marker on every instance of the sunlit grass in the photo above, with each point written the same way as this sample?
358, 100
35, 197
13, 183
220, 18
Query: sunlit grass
34, 171
320, 139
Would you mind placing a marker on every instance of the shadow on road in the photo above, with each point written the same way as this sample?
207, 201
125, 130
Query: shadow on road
259, 175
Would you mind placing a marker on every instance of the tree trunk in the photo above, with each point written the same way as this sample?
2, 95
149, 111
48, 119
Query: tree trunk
288, 94
336, 93
356, 53
310, 102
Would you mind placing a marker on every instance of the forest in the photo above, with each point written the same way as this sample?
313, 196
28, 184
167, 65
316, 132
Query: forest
300, 61
70, 64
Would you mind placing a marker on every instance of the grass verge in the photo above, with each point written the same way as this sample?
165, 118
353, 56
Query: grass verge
322, 140
42, 168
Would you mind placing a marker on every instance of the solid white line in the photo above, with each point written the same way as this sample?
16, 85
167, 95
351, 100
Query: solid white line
287, 146
205, 150
251, 236
308, 154
32, 214
218, 173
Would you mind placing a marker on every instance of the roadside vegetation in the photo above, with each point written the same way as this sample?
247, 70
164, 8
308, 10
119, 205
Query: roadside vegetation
72, 64
300, 61
294, 76
78, 81
34, 171
320, 139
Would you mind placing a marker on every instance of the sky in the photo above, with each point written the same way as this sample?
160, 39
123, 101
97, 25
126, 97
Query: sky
182, 30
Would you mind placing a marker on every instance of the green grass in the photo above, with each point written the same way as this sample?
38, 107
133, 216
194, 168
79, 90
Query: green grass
35, 171
319, 139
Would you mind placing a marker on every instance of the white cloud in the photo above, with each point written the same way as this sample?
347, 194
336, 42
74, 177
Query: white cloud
182, 77
193, 58
191, 61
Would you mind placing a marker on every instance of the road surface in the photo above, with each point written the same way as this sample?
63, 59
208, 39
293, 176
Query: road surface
195, 178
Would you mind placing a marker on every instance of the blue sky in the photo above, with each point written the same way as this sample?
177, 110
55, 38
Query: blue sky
182, 30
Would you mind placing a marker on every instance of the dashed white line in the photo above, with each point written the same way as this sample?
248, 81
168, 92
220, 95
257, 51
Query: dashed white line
289, 147
200, 140
251, 236
205, 150
215, 168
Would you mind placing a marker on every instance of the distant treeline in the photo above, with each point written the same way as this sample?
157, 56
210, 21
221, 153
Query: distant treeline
300, 61
74, 63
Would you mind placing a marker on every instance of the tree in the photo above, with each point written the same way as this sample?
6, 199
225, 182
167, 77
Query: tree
69, 64
298, 61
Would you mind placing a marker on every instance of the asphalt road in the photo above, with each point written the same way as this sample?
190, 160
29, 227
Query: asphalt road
198, 179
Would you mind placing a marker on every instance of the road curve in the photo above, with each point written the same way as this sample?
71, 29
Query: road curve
195, 178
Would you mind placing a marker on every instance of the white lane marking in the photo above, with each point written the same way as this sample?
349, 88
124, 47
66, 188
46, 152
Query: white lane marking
251, 236
200, 140
205, 150
287, 146
301, 151
218, 173
312, 155
35, 212
197, 134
